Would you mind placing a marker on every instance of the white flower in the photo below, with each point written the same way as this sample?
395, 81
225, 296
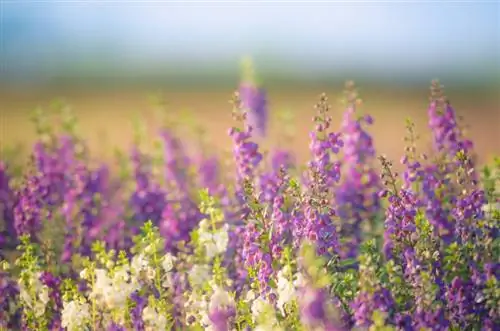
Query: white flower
199, 275
102, 284
168, 262
43, 300
113, 293
150, 273
139, 263
221, 239
25, 296
214, 243
205, 320
41, 294
84, 273
286, 290
121, 275
299, 281
250, 296
149, 249
39, 309
204, 226
220, 298
489, 208
153, 320
74, 315
204, 236
259, 306
211, 249
110, 264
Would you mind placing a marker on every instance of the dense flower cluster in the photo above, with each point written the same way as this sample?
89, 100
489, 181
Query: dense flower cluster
183, 242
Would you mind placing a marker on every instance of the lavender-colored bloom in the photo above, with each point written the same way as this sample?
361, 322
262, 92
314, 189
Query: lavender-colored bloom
413, 172
176, 224
54, 166
324, 173
357, 196
8, 296
115, 327
281, 228
437, 211
247, 157
468, 210
254, 101
447, 136
399, 223
314, 310
320, 230
28, 209
255, 257
148, 200
282, 159
430, 320
55, 303
321, 158
136, 312
366, 303
220, 318
208, 174
85, 202
176, 165
235, 257
6, 207
269, 186
460, 302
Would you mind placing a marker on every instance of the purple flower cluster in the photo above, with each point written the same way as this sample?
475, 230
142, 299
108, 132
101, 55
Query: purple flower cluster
253, 99
6, 208
357, 196
434, 265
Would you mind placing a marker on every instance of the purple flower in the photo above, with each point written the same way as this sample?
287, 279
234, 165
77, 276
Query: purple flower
399, 223
84, 203
282, 158
321, 158
136, 312
320, 230
8, 296
366, 303
314, 310
148, 200
254, 101
55, 304
220, 318
282, 228
208, 174
246, 154
176, 164
178, 219
460, 302
254, 256
356, 197
28, 209
6, 207
447, 135
115, 327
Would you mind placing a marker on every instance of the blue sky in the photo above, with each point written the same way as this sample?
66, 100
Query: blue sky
399, 38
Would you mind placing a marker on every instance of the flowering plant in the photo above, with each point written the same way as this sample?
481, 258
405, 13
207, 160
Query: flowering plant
169, 243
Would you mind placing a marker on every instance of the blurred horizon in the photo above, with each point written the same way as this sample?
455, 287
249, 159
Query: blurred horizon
74, 43
105, 57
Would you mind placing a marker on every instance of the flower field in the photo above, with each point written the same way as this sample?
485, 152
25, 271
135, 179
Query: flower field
180, 238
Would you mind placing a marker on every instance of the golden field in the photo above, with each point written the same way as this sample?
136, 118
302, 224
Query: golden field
105, 116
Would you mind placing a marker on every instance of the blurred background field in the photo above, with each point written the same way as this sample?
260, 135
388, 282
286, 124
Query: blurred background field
106, 59
106, 117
